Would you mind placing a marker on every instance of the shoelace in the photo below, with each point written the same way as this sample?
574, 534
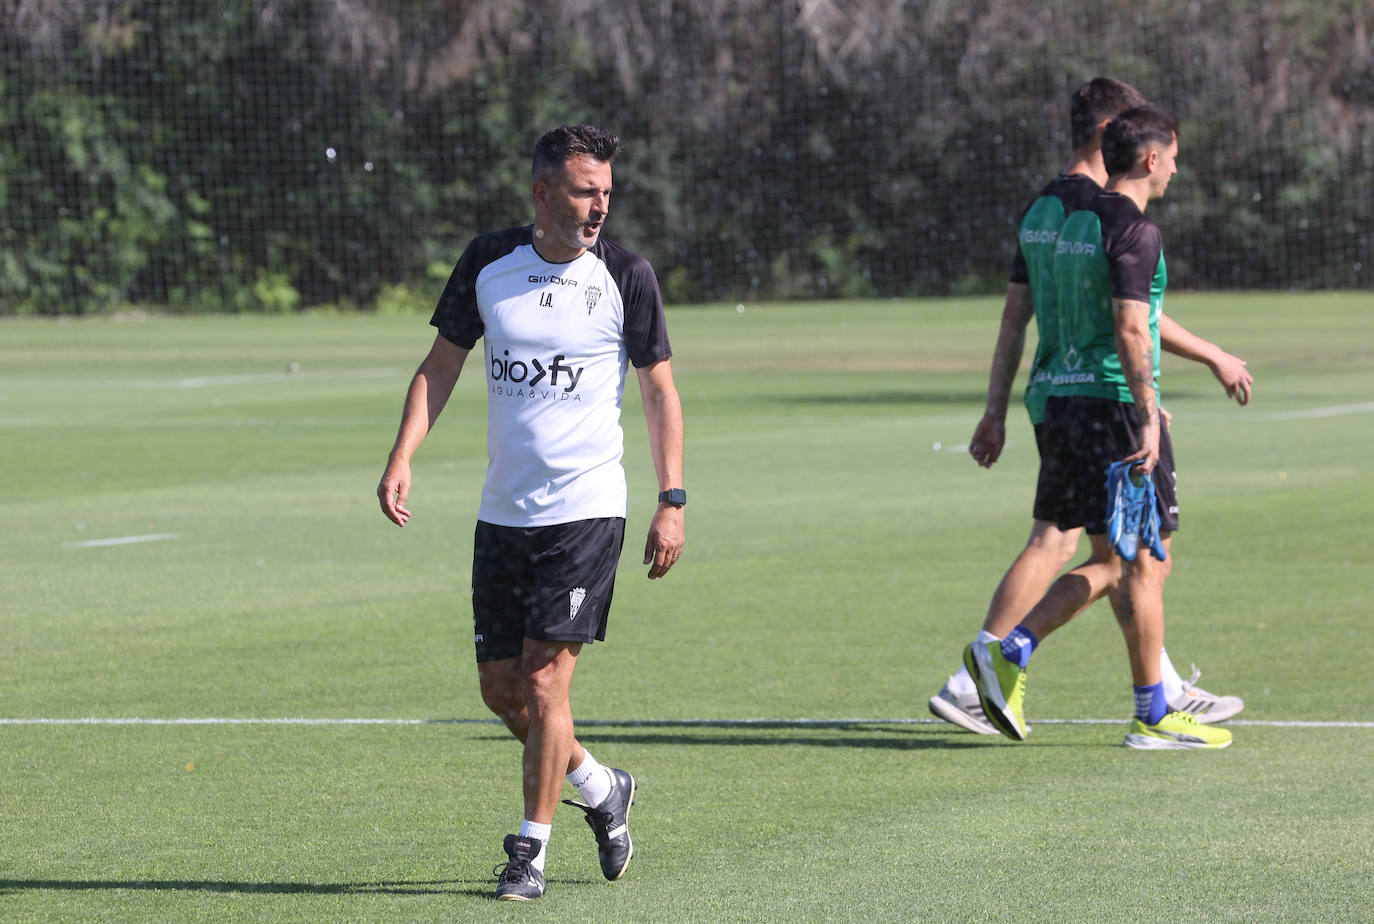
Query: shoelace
599, 819
512, 871
1197, 675
1188, 718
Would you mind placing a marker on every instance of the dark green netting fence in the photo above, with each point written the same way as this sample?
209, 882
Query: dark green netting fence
277, 154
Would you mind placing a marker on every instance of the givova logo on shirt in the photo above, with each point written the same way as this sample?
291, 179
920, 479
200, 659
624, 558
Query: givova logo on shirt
521, 378
1075, 248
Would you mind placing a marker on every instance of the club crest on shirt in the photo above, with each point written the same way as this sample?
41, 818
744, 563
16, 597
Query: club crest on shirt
593, 294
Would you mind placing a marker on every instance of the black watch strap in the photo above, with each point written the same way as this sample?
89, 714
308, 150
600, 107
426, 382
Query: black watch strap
675, 496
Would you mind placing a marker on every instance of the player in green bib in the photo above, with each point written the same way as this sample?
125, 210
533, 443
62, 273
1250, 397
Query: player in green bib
1036, 239
1109, 274
1090, 364
1033, 292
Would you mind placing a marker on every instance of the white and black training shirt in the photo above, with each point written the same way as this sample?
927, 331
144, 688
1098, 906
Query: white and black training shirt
558, 341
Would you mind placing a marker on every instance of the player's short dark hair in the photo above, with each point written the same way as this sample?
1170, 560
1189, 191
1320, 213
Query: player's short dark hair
552, 151
1128, 135
1097, 100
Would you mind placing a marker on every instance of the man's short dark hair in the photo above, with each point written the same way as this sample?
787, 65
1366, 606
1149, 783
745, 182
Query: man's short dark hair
552, 151
1128, 135
1096, 101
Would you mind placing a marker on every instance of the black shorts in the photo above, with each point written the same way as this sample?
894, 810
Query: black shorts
1082, 437
1045, 497
551, 583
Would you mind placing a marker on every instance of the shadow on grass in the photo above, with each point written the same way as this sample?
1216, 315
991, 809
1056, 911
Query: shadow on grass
436, 887
752, 733
836, 741
880, 734
892, 398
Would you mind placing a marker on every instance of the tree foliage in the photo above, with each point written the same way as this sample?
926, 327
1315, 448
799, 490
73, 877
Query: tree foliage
271, 154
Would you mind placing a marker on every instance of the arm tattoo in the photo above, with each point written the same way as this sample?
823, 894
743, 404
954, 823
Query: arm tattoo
1145, 375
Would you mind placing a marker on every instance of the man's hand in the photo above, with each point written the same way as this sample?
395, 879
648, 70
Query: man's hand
393, 491
667, 536
1148, 455
1229, 370
1233, 376
988, 439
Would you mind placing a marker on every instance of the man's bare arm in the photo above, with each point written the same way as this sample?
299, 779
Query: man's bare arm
663, 415
429, 392
1136, 349
1229, 370
990, 434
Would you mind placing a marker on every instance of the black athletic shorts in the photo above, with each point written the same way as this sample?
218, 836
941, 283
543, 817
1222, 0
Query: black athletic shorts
1082, 437
1045, 498
551, 583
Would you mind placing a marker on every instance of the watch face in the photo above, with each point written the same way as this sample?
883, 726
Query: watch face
673, 496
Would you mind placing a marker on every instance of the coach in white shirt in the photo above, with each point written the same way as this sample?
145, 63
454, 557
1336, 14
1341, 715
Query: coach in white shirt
562, 313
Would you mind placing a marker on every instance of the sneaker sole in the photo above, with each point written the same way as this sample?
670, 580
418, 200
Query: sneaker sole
512, 897
1151, 743
994, 711
944, 709
1218, 715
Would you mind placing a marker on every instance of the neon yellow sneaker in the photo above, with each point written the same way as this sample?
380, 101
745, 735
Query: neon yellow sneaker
1001, 688
1176, 731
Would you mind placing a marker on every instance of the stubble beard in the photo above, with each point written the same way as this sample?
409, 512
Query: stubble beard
571, 234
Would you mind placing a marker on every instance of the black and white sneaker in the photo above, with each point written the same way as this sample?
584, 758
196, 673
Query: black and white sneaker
610, 822
518, 880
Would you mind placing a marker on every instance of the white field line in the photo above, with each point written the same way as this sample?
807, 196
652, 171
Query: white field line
214, 381
67, 423
207, 381
120, 540
1334, 410
623, 723
256, 378
1307, 413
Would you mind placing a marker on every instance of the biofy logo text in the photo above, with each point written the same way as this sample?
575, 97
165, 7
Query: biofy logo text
531, 378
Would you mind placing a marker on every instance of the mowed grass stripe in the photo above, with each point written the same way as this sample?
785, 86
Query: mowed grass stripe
836, 565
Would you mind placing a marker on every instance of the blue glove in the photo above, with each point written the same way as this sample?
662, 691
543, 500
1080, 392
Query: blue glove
1132, 514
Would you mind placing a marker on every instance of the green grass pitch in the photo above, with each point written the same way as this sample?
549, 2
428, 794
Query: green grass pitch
841, 549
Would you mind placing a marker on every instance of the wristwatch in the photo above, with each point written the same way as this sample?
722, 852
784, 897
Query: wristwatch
675, 496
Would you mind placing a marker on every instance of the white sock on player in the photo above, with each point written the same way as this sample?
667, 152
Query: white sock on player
542, 832
593, 781
1173, 683
962, 682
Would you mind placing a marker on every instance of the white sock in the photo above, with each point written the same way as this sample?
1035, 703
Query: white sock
1173, 683
593, 781
542, 832
962, 682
